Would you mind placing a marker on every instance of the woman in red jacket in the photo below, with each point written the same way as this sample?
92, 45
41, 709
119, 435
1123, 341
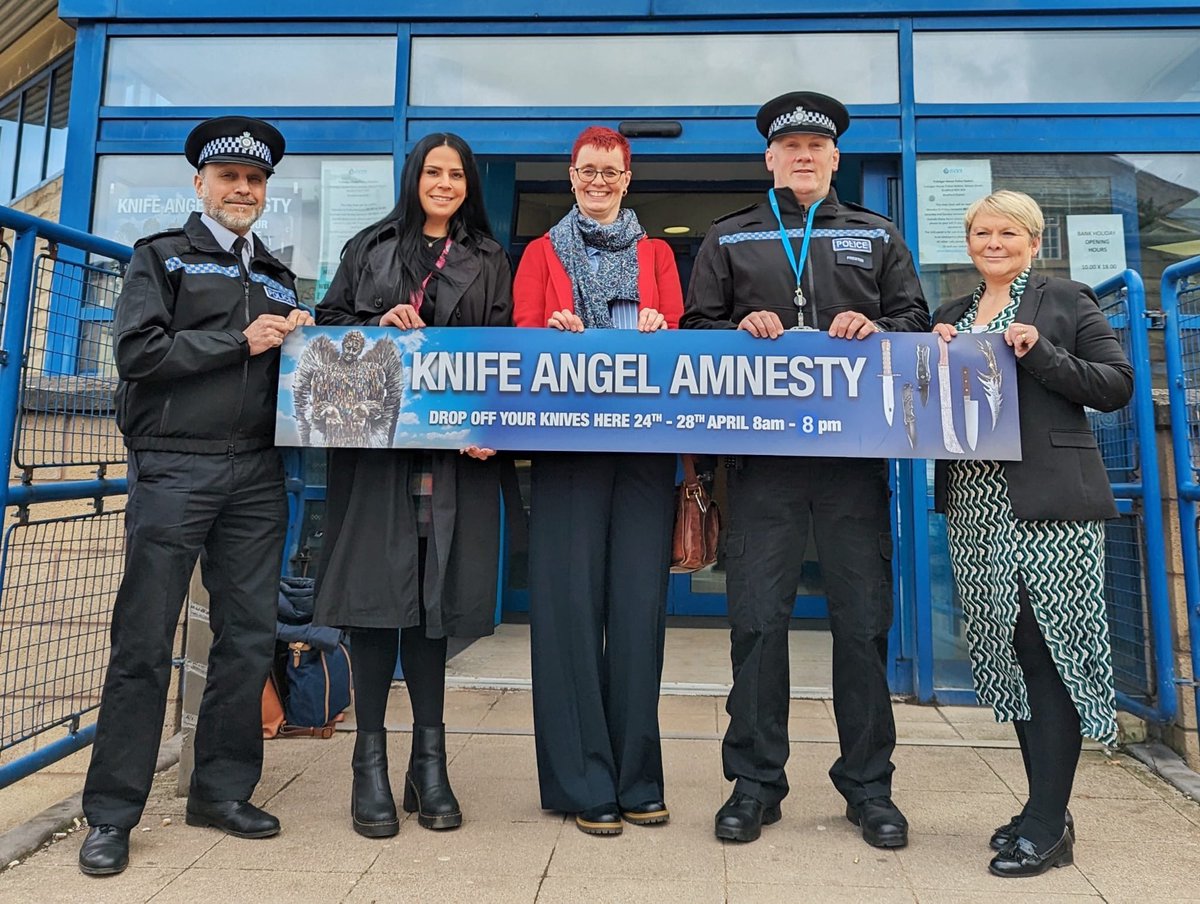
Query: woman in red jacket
600, 535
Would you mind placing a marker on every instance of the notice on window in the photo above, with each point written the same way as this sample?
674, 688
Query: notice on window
945, 189
354, 194
1096, 244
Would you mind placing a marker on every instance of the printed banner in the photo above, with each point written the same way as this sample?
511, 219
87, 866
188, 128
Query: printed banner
893, 395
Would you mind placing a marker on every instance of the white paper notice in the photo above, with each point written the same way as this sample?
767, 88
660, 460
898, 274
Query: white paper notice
945, 189
1096, 244
354, 194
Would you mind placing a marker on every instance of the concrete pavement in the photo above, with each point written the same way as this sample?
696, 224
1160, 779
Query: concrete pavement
958, 775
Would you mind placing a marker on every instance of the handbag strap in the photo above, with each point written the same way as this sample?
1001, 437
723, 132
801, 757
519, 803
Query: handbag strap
689, 469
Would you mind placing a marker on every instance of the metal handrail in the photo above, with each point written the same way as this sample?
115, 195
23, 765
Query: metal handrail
1149, 490
1188, 490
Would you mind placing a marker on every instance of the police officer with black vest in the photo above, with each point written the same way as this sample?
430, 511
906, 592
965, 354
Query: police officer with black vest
803, 259
196, 333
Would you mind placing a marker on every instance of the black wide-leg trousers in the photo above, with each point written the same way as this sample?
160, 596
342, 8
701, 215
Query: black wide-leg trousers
771, 500
600, 539
234, 510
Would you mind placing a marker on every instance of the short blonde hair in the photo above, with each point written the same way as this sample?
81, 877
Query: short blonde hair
1015, 205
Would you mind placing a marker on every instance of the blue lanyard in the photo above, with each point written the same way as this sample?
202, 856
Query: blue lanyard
797, 268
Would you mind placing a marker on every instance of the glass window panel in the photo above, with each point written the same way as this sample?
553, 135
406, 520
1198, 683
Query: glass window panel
59, 103
1038, 67
9, 127
1156, 198
33, 138
314, 204
276, 71
651, 70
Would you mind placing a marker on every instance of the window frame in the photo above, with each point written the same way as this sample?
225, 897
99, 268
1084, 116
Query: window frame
51, 77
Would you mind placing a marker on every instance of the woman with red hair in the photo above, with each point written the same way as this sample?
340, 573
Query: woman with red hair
600, 534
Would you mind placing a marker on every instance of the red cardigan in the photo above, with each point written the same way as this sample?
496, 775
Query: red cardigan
542, 286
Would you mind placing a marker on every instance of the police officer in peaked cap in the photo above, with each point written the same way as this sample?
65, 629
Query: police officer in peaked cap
803, 259
196, 335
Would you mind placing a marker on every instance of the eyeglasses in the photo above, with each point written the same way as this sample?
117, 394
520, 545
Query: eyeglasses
589, 174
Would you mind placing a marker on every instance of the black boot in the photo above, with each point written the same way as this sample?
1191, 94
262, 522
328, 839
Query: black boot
427, 789
372, 808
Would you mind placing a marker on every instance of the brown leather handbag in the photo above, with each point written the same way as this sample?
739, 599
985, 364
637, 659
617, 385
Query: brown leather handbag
697, 524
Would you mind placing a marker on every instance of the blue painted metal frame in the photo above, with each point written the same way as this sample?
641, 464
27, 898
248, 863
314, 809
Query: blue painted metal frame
1149, 491
1188, 489
16, 320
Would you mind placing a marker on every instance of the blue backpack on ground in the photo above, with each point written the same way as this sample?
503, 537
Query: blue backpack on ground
317, 677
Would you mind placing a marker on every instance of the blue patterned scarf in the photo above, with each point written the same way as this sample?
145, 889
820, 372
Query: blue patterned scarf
617, 274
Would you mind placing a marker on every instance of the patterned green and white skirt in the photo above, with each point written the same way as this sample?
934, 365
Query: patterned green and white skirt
1063, 566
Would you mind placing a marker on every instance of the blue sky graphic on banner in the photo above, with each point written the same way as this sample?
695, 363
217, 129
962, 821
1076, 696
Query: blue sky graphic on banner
892, 395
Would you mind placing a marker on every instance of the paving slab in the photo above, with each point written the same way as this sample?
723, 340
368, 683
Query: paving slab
437, 889
1122, 871
48, 883
959, 865
759, 893
260, 886
562, 890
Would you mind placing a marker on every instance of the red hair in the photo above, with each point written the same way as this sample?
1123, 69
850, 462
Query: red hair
603, 138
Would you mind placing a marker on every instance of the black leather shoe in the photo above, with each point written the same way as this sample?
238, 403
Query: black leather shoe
602, 820
742, 817
1007, 833
1021, 858
882, 823
427, 790
105, 851
372, 807
233, 817
652, 812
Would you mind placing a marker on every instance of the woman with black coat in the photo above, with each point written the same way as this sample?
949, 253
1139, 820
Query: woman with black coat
412, 536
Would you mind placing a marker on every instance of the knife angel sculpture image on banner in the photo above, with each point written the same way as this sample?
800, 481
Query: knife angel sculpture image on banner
348, 397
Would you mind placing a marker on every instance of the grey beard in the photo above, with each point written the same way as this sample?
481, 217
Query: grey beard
233, 223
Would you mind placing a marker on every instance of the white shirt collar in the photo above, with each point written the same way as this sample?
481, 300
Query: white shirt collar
226, 237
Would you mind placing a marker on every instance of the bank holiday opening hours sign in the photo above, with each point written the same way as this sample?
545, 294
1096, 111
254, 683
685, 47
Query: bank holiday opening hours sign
892, 395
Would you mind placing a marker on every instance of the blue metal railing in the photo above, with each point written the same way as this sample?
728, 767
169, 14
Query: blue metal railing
1181, 307
1135, 565
56, 573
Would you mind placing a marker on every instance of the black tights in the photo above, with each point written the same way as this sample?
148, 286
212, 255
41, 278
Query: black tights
373, 652
1050, 740
424, 664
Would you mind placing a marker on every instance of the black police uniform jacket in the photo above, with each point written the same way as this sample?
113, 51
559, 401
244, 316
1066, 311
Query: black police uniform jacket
368, 565
1077, 361
857, 261
188, 380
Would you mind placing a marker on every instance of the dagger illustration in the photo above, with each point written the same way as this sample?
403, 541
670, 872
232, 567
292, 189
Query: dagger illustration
949, 439
970, 410
923, 378
910, 414
889, 381
991, 380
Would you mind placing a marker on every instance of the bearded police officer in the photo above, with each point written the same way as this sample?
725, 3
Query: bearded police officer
804, 259
197, 330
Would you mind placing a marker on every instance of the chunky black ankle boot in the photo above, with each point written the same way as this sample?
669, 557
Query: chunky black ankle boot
372, 808
426, 786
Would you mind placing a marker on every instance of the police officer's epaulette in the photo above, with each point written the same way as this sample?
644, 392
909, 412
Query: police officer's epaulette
736, 213
166, 233
861, 209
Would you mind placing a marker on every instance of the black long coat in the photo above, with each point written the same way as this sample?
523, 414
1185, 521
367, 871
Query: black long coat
1077, 361
369, 570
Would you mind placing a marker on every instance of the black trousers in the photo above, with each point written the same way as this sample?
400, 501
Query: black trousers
600, 541
771, 500
235, 511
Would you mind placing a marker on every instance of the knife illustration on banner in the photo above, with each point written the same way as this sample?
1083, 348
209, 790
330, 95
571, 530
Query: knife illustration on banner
991, 380
923, 377
970, 410
910, 413
949, 439
889, 381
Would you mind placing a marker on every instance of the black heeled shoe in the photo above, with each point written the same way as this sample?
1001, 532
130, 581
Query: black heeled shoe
427, 789
1006, 834
1021, 859
372, 807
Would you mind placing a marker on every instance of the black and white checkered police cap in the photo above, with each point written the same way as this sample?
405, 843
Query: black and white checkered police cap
235, 139
802, 111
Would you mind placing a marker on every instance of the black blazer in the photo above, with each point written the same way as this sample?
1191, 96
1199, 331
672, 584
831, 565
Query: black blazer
1076, 362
